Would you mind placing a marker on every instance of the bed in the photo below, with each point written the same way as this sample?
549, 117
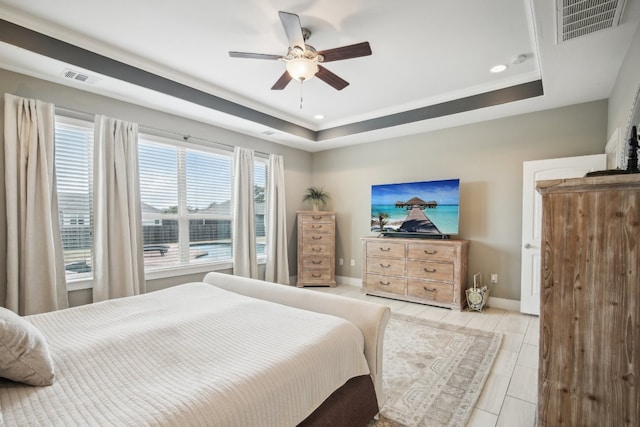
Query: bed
227, 351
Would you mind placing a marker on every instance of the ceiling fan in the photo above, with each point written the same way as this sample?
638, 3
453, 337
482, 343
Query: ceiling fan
303, 61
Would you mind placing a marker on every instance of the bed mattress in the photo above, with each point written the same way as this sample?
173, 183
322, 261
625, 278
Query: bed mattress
189, 355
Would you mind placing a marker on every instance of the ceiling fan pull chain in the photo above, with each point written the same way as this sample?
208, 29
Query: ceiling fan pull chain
301, 92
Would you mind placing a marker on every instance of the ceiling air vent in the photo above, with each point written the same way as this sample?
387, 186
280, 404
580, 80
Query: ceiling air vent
74, 75
578, 18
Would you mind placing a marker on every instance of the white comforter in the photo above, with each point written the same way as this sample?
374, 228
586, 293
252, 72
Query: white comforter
189, 355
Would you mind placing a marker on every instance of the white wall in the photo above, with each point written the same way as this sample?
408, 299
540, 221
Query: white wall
487, 157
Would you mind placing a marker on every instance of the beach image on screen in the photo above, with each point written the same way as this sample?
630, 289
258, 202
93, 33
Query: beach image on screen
429, 207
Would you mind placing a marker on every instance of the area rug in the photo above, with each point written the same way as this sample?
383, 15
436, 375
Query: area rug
433, 373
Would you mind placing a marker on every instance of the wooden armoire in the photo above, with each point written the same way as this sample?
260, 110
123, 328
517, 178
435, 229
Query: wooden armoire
589, 371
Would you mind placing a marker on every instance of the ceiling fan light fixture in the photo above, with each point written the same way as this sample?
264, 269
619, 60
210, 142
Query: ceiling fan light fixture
302, 69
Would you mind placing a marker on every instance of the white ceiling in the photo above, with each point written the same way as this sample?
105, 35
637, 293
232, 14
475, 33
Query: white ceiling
425, 52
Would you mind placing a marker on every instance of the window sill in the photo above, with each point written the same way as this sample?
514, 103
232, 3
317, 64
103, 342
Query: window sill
87, 283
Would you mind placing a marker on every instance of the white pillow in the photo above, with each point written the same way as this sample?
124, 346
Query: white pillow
24, 354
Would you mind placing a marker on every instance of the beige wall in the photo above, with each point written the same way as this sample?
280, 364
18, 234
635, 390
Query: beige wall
487, 157
625, 90
297, 163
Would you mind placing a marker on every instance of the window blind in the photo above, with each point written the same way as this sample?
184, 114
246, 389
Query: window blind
74, 175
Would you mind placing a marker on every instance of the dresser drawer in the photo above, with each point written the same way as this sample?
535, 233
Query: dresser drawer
385, 249
318, 228
430, 270
316, 276
317, 248
393, 266
433, 291
317, 218
431, 252
317, 238
391, 284
310, 262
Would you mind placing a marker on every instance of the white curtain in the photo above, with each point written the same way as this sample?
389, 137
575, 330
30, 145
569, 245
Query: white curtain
118, 265
245, 261
35, 261
277, 269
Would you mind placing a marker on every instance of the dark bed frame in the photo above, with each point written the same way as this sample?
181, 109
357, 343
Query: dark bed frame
352, 405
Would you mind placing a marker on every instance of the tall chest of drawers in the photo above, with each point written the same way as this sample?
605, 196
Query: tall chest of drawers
589, 352
425, 271
316, 248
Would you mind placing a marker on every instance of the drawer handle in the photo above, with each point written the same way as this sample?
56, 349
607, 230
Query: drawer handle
385, 249
384, 283
385, 266
316, 262
429, 290
315, 226
316, 237
316, 249
315, 276
430, 270
430, 252
316, 217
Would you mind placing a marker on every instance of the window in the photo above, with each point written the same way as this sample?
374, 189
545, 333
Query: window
74, 175
185, 191
186, 196
260, 187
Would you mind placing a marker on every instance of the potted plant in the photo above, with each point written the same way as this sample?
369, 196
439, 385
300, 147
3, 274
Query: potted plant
317, 196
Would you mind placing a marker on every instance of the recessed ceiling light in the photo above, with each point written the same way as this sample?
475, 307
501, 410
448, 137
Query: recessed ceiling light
318, 117
498, 68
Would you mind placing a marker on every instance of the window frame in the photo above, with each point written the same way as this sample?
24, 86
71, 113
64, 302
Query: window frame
86, 282
83, 280
183, 216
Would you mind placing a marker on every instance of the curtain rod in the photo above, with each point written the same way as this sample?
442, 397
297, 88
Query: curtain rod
83, 115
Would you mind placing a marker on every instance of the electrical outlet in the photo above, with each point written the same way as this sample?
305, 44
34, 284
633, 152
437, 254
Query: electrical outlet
340, 261
494, 277
353, 263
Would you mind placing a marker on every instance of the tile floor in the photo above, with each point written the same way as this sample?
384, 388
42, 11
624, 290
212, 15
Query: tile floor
510, 393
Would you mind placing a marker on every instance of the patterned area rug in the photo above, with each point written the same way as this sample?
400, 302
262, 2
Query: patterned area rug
433, 373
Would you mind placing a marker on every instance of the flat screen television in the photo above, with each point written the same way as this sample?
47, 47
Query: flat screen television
416, 209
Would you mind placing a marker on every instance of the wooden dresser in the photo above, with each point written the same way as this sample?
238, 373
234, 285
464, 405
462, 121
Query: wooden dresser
316, 248
589, 368
426, 271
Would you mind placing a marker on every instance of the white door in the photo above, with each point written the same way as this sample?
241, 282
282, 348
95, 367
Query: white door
538, 170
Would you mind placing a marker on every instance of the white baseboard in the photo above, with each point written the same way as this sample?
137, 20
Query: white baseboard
340, 280
501, 303
504, 304
351, 281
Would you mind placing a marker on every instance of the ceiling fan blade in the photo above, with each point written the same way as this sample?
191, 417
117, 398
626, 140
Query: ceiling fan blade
282, 82
293, 29
331, 79
253, 55
346, 52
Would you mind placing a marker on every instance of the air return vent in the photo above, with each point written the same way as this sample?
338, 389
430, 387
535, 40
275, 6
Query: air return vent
577, 18
80, 77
